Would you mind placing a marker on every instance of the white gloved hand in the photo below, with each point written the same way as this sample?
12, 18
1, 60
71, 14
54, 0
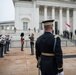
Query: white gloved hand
61, 73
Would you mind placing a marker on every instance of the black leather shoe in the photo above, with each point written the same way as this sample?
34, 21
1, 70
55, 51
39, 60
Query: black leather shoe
1, 56
22, 50
31, 54
5, 53
8, 50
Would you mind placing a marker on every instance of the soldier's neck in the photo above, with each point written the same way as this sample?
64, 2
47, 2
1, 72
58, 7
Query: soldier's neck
48, 31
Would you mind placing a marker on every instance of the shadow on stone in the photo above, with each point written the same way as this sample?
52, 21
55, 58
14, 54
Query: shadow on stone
69, 56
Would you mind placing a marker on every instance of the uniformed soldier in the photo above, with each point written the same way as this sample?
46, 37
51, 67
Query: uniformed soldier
51, 62
1, 47
4, 44
22, 41
7, 42
32, 43
71, 34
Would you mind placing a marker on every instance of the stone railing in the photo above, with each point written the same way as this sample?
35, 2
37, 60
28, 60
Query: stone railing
64, 43
6, 31
19, 31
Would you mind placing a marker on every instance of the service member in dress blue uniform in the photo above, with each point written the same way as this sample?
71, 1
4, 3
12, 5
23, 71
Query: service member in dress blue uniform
32, 43
51, 62
4, 44
1, 46
7, 42
22, 41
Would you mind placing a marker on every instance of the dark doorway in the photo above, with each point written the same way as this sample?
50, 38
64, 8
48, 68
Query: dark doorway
40, 26
56, 28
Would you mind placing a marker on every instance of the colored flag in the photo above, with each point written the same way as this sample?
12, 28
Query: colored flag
68, 25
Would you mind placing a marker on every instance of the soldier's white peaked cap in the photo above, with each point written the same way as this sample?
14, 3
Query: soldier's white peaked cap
48, 22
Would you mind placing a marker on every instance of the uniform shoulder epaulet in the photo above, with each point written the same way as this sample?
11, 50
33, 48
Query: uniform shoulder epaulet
55, 36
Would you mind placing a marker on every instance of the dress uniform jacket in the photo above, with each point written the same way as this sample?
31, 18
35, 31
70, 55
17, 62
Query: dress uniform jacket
1, 47
31, 39
22, 43
51, 61
22, 40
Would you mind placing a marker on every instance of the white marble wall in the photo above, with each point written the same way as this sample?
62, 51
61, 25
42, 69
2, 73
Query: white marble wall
24, 11
35, 13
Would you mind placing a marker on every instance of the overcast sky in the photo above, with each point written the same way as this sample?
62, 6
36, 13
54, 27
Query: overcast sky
6, 10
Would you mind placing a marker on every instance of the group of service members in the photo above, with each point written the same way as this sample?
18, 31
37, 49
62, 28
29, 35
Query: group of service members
4, 45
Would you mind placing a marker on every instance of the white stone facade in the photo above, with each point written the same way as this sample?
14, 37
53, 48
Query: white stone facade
7, 27
30, 14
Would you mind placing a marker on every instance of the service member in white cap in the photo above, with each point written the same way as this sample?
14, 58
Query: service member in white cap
2, 38
48, 49
7, 42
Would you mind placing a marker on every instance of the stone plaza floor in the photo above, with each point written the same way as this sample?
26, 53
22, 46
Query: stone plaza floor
18, 62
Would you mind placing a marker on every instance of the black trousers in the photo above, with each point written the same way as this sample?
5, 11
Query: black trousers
7, 46
46, 74
1, 51
32, 48
5, 49
22, 45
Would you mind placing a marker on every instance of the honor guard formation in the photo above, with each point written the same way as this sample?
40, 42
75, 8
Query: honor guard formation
4, 44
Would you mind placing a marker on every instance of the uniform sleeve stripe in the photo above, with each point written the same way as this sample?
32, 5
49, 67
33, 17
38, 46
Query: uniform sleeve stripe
60, 68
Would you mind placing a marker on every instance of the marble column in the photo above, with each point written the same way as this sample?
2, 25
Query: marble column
4, 27
68, 19
74, 20
61, 21
37, 16
53, 17
45, 12
10, 27
17, 18
53, 12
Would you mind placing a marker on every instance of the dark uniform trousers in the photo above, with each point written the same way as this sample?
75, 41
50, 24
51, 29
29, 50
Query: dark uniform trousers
32, 47
22, 43
1, 50
22, 47
7, 46
51, 63
46, 74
